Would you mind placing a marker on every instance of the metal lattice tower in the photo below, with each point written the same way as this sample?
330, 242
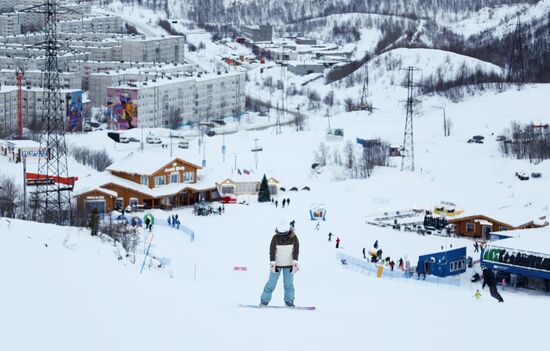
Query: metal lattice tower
363, 103
278, 129
54, 196
407, 161
516, 66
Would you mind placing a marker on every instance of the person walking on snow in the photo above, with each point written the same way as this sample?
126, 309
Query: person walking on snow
476, 247
318, 225
392, 264
489, 279
364, 254
329, 236
337, 242
477, 295
288, 202
376, 244
283, 256
276, 203
284, 203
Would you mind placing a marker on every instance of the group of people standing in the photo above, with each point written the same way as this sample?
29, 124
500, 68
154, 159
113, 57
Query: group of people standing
285, 202
174, 221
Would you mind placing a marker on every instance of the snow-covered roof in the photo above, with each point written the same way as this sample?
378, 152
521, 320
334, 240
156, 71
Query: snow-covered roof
532, 240
514, 216
97, 182
145, 163
22, 143
516, 233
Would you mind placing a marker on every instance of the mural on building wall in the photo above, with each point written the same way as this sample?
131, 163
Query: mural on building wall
122, 106
74, 111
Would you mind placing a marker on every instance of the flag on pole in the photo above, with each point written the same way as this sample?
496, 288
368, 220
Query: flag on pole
246, 171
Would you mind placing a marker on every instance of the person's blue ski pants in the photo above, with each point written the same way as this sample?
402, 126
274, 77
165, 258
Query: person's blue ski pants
288, 280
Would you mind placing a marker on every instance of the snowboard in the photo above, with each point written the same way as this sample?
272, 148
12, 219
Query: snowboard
301, 308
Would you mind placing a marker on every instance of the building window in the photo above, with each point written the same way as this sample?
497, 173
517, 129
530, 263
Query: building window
469, 227
457, 265
189, 176
119, 203
503, 229
175, 177
228, 189
133, 202
160, 180
145, 180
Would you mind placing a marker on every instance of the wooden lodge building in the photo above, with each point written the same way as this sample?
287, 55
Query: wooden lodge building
480, 226
142, 182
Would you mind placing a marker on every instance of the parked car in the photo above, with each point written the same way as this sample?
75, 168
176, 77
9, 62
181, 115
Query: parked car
536, 175
124, 140
210, 133
183, 144
152, 139
133, 140
228, 199
522, 175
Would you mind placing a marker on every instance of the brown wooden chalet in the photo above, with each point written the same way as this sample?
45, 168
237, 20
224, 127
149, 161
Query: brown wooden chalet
142, 181
479, 226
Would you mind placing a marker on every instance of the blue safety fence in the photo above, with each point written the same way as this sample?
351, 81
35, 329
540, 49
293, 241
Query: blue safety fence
181, 227
366, 267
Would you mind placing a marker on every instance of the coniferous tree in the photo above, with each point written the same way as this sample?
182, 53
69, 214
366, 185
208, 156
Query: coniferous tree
264, 195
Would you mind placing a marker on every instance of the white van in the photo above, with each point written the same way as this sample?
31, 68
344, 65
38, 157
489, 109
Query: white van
152, 139
183, 144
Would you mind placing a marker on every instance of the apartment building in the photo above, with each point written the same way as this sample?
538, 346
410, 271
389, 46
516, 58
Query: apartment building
35, 78
9, 24
256, 33
32, 100
170, 48
100, 24
171, 100
99, 82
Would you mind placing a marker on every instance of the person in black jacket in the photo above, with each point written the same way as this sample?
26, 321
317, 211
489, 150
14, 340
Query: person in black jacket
490, 280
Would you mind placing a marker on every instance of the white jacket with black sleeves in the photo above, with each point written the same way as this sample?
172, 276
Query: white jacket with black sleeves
284, 249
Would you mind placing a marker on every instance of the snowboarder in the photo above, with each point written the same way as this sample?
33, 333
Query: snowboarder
477, 295
364, 253
284, 203
376, 244
283, 256
489, 279
337, 242
329, 236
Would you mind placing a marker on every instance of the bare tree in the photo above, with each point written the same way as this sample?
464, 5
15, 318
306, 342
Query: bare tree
10, 197
349, 104
322, 154
349, 155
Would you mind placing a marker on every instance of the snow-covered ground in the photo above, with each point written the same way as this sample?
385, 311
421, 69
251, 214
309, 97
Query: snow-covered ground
65, 290
75, 294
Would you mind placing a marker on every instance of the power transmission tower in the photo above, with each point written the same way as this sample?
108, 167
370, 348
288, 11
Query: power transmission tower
407, 161
516, 66
278, 128
363, 102
54, 191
